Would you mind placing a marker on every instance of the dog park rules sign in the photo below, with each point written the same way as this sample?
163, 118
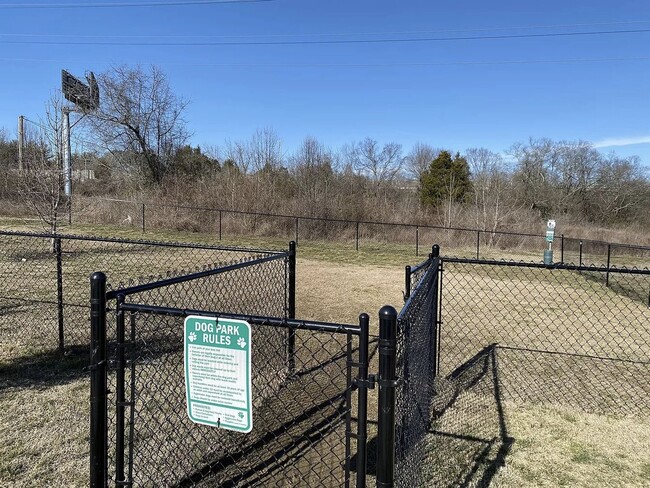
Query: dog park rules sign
218, 372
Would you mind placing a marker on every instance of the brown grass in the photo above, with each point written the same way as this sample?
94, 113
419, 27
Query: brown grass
44, 424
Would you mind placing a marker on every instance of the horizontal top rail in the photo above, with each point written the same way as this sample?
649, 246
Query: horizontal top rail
366, 222
252, 319
560, 266
407, 305
630, 246
321, 219
117, 240
418, 267
189, 277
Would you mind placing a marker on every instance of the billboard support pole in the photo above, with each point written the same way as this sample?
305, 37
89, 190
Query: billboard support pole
67, 153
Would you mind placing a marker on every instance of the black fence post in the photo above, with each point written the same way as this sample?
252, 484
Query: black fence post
580, 254
119, 392
362, 414
435, 315
296, 233
609, 258
407, 282
98, 391
478, 244
386, 404
562, 248
220, 224
143, 218
417, 239
357, 238
435, 251
291, 308
59, 292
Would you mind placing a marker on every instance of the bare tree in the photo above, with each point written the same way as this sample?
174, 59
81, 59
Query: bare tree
312, 167
620, 188
419, 158
535, 161
237, 154
379, 164
492, 194
567, 177
41, 181
140, 116
265, 150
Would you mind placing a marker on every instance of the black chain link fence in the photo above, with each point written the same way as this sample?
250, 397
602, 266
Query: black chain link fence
474, 339
301, 386
299, 423
415, 368
567, 335
465, 242
517, 334
509, 334
44, 283
45, 335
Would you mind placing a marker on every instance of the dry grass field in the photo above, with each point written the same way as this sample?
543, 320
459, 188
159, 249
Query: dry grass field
44, 399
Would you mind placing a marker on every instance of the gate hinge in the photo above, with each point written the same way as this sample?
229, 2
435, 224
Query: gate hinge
391, 383
368, 383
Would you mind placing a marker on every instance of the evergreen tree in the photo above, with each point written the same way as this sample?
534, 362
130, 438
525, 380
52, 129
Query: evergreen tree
446, 179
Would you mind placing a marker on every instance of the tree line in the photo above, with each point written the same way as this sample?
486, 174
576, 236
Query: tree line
139, 148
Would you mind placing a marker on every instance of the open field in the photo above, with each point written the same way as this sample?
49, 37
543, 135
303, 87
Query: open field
44, 400
371, 250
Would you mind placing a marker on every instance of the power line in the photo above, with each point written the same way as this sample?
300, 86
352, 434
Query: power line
122, 4
37, 124
261, 36
361, 65
330, 41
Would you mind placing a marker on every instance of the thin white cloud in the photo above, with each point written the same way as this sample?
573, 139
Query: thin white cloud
622, 141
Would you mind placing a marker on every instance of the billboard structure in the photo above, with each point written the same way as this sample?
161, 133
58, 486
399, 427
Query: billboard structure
85, 98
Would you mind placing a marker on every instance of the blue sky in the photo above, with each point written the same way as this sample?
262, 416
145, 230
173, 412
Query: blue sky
454, 93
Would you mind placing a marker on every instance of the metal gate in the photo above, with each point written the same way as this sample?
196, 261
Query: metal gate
310, 385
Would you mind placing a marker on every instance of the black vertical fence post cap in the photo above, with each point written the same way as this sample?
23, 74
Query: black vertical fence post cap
97, 276
387, 311
435, 250
364, 316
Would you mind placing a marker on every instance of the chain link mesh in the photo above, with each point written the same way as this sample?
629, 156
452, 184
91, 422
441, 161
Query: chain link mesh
35, 300
50, 387
571, 337
416, 363
300, 416
519, 334
512, 334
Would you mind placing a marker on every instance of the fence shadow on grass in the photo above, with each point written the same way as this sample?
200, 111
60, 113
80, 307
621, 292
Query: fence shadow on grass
312, 423
299, 425
304, 445
592, 384
468, 440
45, 368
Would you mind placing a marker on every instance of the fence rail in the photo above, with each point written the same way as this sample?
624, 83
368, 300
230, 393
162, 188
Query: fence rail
464, 242
43, 290
512, 335
304, 390
473, 339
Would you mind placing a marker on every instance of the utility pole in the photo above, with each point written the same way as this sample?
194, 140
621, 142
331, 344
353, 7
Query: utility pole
21, 141
67, 153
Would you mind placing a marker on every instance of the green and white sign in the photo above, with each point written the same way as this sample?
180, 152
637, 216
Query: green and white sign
218, 372
550, 230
